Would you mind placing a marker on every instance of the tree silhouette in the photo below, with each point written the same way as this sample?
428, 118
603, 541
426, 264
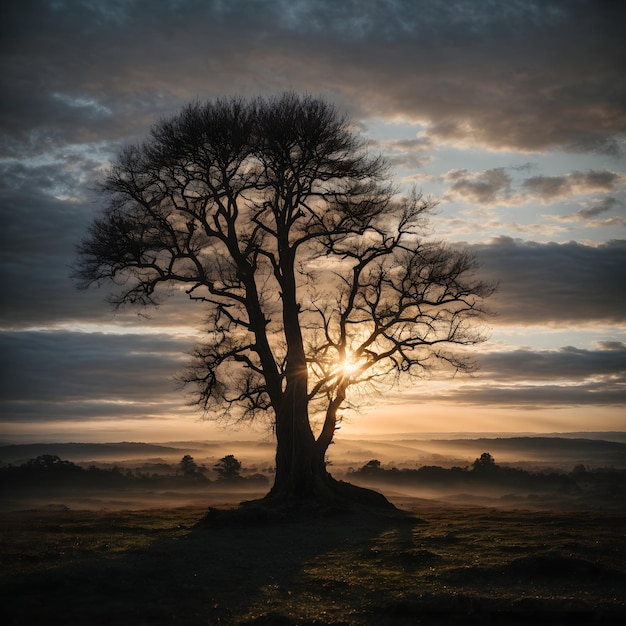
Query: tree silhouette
49, 462
228, 467
188, 466
320, 284
371, 467
486, 463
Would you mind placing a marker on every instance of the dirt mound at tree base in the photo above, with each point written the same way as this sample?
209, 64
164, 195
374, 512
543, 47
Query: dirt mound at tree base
343, 499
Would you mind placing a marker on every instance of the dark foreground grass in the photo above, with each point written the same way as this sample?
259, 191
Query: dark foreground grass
440, 565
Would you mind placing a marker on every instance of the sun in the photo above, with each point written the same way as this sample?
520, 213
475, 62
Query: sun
349, 365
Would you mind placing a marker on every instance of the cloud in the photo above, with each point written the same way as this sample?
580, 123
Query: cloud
539, 283
595, 209
560, 284
591, 394
497, 186
511, 75
567, 363
535, 379
81, 77
48, 375
550, 188
406, 153
605, 206
64, 375
612, 345
488, 187
45, 210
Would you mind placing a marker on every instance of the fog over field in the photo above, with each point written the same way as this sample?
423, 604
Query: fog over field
573, 470
560, 451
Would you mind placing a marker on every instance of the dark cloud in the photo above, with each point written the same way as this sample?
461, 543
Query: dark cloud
549, 188
496, 186
405, 153
591, 211
37, 242
67, 374
568, 363
535, 379
612, 345
539, 283
608, 204
541, 396
63, 375
512, 74
81, 77
488, 187
45, 211
554, 283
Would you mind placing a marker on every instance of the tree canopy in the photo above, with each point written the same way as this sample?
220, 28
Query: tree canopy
228, 467
317, 278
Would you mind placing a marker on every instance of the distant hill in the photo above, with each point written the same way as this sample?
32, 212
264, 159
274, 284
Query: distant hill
534, 451
77, 452
528, 451
546, 449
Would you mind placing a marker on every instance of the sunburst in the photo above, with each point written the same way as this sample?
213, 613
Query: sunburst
349, 366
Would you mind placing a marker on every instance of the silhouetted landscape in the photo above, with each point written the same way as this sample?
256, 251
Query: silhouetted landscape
531, 471
121, 534
371, 251
575, 473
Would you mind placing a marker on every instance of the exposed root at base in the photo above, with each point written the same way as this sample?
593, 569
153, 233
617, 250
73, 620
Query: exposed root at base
342, 499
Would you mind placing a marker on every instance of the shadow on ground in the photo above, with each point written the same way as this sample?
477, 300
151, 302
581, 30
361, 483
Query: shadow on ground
447, 566
203, 576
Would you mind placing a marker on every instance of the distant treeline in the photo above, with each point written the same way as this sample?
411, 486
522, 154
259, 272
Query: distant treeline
485, 472
51, 469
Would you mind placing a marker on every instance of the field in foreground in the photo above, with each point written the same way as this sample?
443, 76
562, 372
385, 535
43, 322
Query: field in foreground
442, 564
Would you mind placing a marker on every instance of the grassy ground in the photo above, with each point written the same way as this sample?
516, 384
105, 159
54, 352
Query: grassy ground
442, 564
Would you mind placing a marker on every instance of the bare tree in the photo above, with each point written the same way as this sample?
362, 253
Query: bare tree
319, 281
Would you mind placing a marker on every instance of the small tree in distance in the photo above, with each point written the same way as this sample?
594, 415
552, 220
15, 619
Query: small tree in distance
371, 467
320, 284
228, 467
188, 466
486, 463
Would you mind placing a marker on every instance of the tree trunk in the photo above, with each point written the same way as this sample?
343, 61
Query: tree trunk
300, 467
301, 474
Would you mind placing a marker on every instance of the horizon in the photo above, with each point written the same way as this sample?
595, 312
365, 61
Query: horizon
611, 436
562, 452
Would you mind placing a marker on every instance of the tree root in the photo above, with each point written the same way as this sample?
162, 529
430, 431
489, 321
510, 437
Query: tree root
340, 499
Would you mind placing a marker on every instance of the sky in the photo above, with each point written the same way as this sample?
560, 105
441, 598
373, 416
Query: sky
511, 114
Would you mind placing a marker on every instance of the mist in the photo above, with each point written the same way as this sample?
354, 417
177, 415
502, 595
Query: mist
535, 472
560, 452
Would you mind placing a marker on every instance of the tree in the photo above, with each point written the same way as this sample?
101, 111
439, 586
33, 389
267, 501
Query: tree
486, 463
371, 467
50, 462
228, 467
319, 282
188, 466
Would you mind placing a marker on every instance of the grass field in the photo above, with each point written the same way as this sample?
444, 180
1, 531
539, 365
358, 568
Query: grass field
440, 564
